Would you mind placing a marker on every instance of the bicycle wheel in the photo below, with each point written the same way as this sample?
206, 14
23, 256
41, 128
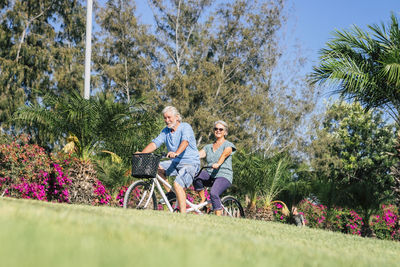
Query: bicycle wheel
231, 207
138, 195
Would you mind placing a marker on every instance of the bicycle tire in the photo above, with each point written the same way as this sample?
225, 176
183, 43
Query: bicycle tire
133, 198
233, 206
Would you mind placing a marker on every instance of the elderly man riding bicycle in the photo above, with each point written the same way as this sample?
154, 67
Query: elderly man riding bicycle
181, 145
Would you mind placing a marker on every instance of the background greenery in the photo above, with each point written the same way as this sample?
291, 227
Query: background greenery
189, 60
213, 60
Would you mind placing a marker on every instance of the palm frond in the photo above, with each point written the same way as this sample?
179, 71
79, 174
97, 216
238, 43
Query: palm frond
342, 70
391, 67
114, 157
363, 66
38, 117
380, 34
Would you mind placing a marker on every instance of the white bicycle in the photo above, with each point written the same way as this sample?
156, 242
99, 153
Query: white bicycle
141, 194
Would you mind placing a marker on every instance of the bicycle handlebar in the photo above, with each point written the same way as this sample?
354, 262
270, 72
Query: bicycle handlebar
202, 168
161, 155
206, 167
164, 156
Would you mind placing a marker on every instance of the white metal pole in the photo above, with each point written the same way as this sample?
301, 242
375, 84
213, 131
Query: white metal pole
88, 50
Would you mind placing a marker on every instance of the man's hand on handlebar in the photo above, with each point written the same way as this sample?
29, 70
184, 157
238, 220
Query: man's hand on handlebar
172, 155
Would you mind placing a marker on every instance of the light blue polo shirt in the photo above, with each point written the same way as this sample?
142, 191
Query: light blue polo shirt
173, 139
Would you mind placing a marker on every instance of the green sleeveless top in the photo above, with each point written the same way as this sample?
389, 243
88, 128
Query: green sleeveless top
225, 170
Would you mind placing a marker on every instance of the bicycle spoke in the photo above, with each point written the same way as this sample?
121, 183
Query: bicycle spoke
138, 196
232, 207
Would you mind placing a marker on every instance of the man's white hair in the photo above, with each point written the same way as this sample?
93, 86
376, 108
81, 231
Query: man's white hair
174, 111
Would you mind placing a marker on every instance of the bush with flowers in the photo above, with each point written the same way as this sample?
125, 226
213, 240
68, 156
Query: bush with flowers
396, 234
28, 171
120, 196
194, 197
385, 224
280, 212
344, 220
314, 214
102, 195
334, 219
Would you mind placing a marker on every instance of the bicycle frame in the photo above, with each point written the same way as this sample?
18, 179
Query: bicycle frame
192, 207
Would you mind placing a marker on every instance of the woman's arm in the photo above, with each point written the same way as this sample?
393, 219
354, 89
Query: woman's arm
202, 154
227, 151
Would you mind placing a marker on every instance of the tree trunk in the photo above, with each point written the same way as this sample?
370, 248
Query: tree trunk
366, 230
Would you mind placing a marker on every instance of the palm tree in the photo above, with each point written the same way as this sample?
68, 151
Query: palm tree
364, 66
100, 123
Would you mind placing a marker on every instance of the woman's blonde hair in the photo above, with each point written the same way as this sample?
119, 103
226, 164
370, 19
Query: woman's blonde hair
174, 111
224, 124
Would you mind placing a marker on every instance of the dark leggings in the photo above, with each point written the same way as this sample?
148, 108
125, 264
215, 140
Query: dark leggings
218, 185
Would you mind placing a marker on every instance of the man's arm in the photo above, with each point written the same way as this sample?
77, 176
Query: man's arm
158, 141
149, 148
184, 144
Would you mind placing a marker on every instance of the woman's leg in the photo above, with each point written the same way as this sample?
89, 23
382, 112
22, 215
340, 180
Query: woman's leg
219, 186
202, 180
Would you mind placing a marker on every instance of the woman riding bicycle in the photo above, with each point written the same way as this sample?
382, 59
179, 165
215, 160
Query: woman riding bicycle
219, 156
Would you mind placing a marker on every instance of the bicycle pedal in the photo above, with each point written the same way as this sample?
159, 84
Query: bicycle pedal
170, 196
161, 201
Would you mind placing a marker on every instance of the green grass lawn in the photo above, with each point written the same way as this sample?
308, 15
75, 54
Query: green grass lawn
34, 233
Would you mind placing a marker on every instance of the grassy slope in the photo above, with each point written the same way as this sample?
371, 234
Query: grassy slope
35, 233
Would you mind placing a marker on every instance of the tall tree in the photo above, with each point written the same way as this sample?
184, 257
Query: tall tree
125, 52
365, 65
351, 158
37, 38
25, 35
219, 60
68, 52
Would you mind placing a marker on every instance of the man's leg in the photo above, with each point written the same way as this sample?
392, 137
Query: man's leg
181, 196
183, 180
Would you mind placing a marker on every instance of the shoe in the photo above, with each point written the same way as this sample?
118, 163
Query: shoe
206, 209
170, 196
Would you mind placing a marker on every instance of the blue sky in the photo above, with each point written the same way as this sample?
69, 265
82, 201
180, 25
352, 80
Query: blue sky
311, 22
315, 20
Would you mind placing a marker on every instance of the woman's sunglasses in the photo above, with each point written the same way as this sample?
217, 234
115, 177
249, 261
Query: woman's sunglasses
218, 129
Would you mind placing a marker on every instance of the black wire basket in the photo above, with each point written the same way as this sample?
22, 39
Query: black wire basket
145, 165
